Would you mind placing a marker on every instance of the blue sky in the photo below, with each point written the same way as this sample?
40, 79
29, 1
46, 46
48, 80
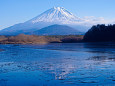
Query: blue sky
18, 11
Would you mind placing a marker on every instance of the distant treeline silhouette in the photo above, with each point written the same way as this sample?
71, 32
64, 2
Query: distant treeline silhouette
100, 33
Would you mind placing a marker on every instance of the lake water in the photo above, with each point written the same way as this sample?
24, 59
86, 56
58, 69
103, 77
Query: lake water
74, 64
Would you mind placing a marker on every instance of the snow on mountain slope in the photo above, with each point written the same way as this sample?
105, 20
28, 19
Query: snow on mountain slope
57, 15
60, 15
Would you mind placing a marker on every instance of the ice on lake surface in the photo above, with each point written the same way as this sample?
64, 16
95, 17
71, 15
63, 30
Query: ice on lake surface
74, 64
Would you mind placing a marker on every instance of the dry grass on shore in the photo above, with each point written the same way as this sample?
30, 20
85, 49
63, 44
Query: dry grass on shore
34, 39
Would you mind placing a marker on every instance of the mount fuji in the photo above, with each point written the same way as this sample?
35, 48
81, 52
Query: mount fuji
54, 16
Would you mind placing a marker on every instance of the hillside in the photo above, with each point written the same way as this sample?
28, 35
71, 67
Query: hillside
57, 30
100, 33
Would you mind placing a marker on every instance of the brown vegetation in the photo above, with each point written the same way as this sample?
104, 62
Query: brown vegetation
34, 39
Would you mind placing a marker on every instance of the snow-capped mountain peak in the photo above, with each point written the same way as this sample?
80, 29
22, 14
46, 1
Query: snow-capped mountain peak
56, 14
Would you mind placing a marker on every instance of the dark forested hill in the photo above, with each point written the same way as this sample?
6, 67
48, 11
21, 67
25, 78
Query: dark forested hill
100, 33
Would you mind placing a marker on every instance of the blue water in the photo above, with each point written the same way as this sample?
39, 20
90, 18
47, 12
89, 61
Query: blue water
74, 64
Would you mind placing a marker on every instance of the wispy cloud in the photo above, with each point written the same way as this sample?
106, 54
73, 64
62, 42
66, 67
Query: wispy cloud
97, 20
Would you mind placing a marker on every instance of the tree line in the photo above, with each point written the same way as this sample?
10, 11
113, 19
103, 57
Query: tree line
101, 33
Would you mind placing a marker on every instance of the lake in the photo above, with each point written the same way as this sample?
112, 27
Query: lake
56, 64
